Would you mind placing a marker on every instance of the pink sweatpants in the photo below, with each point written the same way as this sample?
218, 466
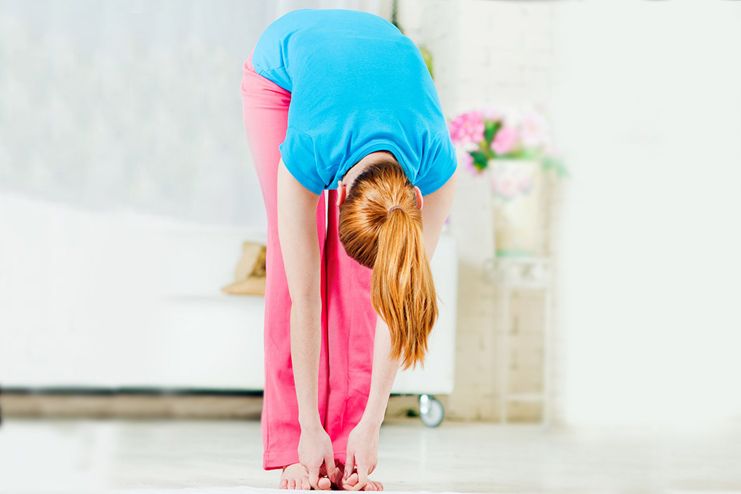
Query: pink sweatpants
348, 318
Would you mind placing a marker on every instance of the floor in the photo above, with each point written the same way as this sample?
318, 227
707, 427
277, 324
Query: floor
223, 457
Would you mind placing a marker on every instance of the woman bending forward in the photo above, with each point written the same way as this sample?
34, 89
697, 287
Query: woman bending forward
341, 100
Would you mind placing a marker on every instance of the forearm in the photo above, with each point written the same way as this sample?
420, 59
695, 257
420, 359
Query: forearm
305, 348
382, 376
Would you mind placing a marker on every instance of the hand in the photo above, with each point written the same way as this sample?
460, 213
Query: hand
362, 453
315, 449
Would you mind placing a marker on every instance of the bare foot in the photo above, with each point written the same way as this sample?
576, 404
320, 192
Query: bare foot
295, 476
352, 481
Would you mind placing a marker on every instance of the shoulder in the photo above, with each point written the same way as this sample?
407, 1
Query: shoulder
299, 158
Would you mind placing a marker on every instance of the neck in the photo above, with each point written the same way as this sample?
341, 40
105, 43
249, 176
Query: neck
361, 165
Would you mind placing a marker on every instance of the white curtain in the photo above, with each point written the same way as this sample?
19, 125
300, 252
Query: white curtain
133, 105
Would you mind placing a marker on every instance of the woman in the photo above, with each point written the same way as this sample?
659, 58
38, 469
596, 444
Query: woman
341, 100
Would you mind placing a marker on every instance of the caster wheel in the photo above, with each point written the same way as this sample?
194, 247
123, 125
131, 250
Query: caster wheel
431, 410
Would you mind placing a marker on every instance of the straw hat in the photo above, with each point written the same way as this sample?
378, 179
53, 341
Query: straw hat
249, 276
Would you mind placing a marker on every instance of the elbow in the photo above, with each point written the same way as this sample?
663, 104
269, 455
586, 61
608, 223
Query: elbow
306, 304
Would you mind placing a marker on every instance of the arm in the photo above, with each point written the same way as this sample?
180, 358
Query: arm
299, 244
435, 210
300, 250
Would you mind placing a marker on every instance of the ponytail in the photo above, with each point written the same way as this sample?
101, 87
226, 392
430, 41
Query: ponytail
402, 289
381, 227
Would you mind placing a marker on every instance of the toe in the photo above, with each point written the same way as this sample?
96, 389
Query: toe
284, 484
305, 485
324, 484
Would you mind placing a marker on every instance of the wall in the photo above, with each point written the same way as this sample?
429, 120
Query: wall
647, 106
133, 105
486, 54
645, 103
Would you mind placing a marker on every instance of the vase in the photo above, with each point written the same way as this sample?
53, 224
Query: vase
517, 193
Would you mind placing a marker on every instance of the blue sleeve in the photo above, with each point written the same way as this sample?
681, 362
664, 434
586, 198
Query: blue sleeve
440, 169
297, 151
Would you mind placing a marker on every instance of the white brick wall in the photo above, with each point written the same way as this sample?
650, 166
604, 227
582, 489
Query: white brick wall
486, 53
645, 105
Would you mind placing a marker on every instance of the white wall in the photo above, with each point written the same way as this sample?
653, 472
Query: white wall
647, 106
645, 100
486, 53
133, 105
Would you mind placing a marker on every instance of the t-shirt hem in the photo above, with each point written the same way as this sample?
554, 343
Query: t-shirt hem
376, 145
428, 189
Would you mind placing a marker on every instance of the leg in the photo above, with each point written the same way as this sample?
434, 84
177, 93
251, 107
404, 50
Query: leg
351, 326
265, 113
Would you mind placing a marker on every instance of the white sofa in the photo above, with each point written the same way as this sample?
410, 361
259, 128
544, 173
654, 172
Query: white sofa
122, 300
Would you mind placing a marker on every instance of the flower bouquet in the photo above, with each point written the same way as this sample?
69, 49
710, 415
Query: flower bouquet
514, 150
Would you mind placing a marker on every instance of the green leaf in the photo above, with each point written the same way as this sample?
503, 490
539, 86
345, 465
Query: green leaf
491, 127
479, 159
486, 150
531, 154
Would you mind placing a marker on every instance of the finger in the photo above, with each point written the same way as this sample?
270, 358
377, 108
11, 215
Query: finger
314, 477
350, 482
338, 474
305, 484
331, 467
349, 465
291, 484
352, 479
362, 477
284, 484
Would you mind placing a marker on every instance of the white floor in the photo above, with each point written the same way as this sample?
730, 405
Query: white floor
221, 457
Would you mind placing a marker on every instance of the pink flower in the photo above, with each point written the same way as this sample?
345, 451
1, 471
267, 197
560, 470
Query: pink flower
467, 128
467, 161
505, 140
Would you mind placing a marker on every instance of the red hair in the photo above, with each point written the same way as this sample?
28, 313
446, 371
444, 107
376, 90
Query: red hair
391, 243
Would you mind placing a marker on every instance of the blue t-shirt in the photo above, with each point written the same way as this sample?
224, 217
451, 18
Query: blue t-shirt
358, 85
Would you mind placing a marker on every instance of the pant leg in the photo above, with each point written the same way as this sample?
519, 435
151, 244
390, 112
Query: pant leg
265, 114
351, 325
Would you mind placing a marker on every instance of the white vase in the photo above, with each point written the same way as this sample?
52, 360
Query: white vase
517, 193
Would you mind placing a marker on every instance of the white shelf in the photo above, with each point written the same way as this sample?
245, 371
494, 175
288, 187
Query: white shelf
511, 274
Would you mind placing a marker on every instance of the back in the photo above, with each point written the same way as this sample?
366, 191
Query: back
358, 85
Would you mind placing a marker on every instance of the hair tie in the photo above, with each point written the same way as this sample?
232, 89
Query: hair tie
394, 207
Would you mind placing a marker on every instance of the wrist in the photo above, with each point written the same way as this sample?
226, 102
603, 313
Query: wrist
371, 422
310, 423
